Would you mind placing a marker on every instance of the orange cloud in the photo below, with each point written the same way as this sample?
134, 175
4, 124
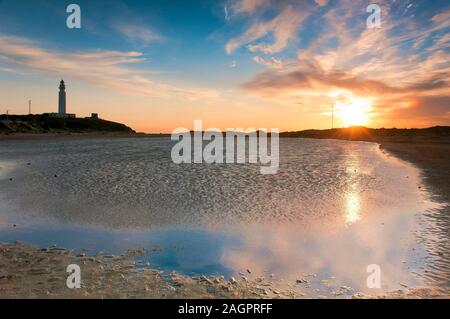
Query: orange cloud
387, 67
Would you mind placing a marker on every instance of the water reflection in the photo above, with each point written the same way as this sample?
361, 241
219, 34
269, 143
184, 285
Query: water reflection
281, 253
334, 208
352, 207
352, 199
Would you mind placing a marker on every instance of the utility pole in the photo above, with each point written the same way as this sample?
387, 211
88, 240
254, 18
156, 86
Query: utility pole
29, 107
332, 115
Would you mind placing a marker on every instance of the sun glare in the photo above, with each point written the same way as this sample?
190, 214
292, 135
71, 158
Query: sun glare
354, 112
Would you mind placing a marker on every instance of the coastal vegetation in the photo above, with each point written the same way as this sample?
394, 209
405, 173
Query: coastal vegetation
39, 124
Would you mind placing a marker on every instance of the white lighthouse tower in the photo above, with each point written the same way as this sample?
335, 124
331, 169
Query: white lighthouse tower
62, 112
62, 99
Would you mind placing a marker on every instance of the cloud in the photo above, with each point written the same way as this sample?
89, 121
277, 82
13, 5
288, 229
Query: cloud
226, 13
248, 6
321, 3
274, 82
420, 111
271, 62
403, 61
109, 69
139, 34
284, 27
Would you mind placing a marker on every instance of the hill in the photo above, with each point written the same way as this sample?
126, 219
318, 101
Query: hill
360, 133
38, 124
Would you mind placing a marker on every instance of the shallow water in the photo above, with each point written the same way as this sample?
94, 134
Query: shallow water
334, 208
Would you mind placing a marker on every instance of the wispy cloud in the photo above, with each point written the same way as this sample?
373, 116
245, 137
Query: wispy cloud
271, 62
249, 6
138, 34
283, 27
321, 2
109, 69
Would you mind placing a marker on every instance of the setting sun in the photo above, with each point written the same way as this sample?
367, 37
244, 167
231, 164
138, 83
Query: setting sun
354, 112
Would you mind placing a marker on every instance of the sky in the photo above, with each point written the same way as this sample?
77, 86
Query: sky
292, 65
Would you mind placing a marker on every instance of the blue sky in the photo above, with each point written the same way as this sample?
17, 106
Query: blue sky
252, 63
190, 34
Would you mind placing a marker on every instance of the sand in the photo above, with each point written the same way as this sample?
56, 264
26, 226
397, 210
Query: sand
70, 136
29, 272
432, 158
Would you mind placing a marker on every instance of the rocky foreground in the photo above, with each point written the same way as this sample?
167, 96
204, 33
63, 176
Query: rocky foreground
29, 272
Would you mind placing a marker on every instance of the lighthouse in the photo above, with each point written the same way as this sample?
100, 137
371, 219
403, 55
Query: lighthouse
61, 104
62, 99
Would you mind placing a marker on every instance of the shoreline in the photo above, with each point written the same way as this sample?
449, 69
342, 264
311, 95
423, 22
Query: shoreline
75, 136
433, 160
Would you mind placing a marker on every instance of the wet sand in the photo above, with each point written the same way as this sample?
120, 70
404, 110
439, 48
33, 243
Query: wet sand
29, 272
71, 136
432, 158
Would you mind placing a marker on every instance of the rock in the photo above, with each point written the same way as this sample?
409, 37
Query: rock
360, 295
249, 271
233, 280
346, 288
204, 278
